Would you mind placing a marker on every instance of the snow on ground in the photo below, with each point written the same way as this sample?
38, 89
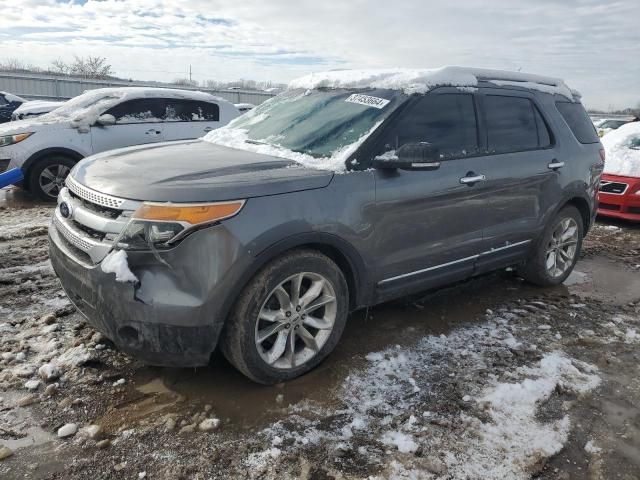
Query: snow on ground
496, 434
620, 158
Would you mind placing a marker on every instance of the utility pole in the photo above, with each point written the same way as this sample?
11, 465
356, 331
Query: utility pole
190, 74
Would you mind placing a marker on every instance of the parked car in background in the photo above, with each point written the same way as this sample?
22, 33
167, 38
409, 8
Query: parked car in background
609, 124
245, 107
47, 147
250, 240
34, 108
8, 103
619, 194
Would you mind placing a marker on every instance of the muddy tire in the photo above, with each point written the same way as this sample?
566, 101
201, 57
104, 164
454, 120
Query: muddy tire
288, 318
46, 177
555, 254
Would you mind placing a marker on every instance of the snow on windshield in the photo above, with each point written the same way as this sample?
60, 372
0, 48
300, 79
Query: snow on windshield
317, 128
622, 148
422, 80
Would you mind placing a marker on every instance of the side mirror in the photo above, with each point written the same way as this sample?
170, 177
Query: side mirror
106, 119
410, 156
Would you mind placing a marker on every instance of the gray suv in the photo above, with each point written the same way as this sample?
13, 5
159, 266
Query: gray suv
343, 192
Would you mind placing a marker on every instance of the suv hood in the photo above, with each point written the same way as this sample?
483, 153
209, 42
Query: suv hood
194, 171
33, 125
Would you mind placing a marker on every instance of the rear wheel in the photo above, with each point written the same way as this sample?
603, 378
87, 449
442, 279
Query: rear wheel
557, 252
47, 177
288, 319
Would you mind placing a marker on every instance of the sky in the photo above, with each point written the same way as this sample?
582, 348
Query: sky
593, 45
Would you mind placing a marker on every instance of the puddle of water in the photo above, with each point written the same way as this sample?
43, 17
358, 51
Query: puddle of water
150, 398
32, 434
14, 197
604, 280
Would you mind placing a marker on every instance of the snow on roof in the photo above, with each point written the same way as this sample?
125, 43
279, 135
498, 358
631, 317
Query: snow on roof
84, 109
10, 97
422, 80
620, 158
37, 106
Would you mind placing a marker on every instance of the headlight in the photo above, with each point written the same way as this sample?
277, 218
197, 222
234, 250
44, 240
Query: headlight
158, 225
11, 139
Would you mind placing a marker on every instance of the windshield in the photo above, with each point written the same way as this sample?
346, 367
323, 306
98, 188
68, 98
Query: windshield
612, 124
84, 101
318, 123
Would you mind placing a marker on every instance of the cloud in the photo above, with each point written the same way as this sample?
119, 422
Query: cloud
592, 44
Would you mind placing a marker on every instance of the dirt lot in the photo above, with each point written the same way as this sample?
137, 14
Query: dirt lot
488, 379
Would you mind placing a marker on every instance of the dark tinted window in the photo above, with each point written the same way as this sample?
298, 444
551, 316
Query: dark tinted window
141, 110
578, 121
191, 111
514, 124
2, 100
448, 121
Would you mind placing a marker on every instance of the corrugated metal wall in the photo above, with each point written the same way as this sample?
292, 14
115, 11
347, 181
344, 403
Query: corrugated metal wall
43, 87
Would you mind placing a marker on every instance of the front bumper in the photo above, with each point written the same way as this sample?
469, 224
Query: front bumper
174, 315
626, 205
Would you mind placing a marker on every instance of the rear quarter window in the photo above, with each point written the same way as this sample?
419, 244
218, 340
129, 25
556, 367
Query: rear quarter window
579, 122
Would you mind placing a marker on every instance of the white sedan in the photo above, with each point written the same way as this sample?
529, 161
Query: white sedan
45, 148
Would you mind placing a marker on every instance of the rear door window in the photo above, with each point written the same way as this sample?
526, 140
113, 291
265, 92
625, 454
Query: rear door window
579, 122
178, 110
140, 110
445, 120
514, 124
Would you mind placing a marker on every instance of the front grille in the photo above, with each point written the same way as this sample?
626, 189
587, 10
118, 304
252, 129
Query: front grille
92, 220
93, 197
608, 206
616, 188
634, 210
70, 236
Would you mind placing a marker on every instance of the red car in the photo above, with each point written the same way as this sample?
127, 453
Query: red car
619, 194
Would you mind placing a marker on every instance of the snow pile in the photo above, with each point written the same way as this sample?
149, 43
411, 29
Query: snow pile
422, 80
35, 107
116, 262
10, 97
514, 429
231, 137
620, 158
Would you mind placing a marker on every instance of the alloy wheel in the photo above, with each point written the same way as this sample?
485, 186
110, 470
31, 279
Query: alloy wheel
296, 320
52, 178
561, 248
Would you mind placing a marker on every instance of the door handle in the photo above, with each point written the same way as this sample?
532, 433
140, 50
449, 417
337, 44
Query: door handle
472, 178
554, 165
153, 131
208, 129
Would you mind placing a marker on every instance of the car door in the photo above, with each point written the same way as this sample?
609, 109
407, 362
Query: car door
429, 224
520, 174
138, 121
186, 119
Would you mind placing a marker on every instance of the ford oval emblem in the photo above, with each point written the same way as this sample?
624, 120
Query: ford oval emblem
65, 210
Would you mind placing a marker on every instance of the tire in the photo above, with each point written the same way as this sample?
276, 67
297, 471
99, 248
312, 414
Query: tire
262, 297
548, 269
46, 177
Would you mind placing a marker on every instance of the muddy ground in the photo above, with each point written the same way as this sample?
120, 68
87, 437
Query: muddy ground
492, 378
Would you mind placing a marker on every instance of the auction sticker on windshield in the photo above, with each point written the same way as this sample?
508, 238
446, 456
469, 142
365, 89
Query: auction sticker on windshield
374, 102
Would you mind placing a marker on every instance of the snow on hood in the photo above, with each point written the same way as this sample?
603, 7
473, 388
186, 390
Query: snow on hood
620, 158
422, 80
10, 97
37, 106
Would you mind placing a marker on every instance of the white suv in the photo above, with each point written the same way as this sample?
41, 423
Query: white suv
46, 147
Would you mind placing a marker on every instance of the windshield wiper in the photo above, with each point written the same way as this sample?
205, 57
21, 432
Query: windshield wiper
255, 142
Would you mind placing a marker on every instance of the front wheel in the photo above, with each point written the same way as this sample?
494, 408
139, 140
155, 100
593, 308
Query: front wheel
47, 177
555, 255
288, 319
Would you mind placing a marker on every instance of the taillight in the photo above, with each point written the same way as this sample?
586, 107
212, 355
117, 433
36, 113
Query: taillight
603, 155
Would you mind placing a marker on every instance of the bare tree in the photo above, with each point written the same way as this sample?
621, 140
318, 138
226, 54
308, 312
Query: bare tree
185, 82
90, 67
60, 66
